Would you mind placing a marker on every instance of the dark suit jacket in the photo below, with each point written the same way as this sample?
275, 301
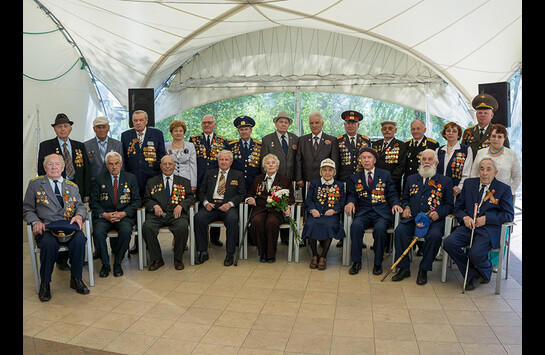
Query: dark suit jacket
235, 188
380, 197
206, 155
102, 195
134, 157
497, 210
181, 194
271, 144
260, 193
82, 167
95, 160
307, 162
421, 198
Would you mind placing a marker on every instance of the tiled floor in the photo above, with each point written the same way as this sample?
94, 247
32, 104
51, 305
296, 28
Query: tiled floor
279, 308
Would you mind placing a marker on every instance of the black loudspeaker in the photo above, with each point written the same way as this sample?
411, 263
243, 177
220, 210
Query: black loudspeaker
142, 99
502, 93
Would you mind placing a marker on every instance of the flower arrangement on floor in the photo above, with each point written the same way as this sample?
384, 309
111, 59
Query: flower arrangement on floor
279, 201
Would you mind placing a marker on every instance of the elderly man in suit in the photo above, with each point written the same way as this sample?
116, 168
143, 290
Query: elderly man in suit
283, 144
313, 148
143, 148
220, 193
494, 202
98, 146
48, 199
168, 199
374, 193
430, 193
76, 164
114, 202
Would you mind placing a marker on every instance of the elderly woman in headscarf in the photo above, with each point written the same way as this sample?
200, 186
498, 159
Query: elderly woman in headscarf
325, 205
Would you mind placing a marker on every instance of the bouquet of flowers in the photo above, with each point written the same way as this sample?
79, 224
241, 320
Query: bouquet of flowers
279, 201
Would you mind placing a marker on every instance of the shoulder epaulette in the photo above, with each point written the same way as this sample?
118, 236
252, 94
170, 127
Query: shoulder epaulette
195, 136
432, 140
365, 137
340, 137
256, 141
37, 178
71, 183
408, 141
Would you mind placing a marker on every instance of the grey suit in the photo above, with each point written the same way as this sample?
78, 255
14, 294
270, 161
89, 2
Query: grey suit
307, 161
271, 144
97, 160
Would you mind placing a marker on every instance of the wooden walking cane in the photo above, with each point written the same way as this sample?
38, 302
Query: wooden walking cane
470, 244
401, 257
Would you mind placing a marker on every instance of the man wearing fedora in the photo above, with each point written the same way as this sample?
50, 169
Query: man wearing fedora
76, 164
283, 144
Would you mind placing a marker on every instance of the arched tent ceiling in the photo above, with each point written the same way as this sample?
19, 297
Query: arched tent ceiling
131, 44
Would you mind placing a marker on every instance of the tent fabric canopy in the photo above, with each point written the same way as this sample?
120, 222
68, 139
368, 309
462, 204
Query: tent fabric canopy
131, 44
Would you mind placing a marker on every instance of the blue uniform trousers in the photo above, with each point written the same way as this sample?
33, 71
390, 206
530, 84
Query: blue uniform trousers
479, 263
404, 235
49, 250
357, 229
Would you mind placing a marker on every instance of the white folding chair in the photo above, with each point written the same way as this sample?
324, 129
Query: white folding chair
505, 242
143, 261
34, 250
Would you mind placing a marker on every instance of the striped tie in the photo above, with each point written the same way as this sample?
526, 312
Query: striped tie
221, 184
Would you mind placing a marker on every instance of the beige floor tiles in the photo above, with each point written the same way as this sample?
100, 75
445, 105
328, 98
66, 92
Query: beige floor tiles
270, 309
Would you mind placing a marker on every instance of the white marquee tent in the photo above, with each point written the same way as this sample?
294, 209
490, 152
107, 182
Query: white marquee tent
426, 54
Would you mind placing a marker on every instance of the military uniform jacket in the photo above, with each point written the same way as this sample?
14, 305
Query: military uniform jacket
41, 204
95, 159
436, 195
102, 195
307, 161
349, 162
235, 188
472, 138
414, 153
271, 144
380, 197
143, 162
497, 206
156, 195
392, 158
82, 176
246, 161
207, 155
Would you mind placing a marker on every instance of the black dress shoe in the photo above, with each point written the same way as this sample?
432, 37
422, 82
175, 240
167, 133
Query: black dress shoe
228, 260
218, 242
262, 259
104, 270
271, 260
45, 293
356, 267
422, 277
178, 264
156, 264
401, 274
202, 256
474, 282
377, 269
134, 249
118, 271
79, 286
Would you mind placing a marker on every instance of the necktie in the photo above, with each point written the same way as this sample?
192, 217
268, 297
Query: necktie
167, 188
315, 146
68, 164
246, 151
221, 184
208, 141
369, 179
102, 149
352, 143
58, 193
481, 132
481, 193
284, 145
115, 192
140, 139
